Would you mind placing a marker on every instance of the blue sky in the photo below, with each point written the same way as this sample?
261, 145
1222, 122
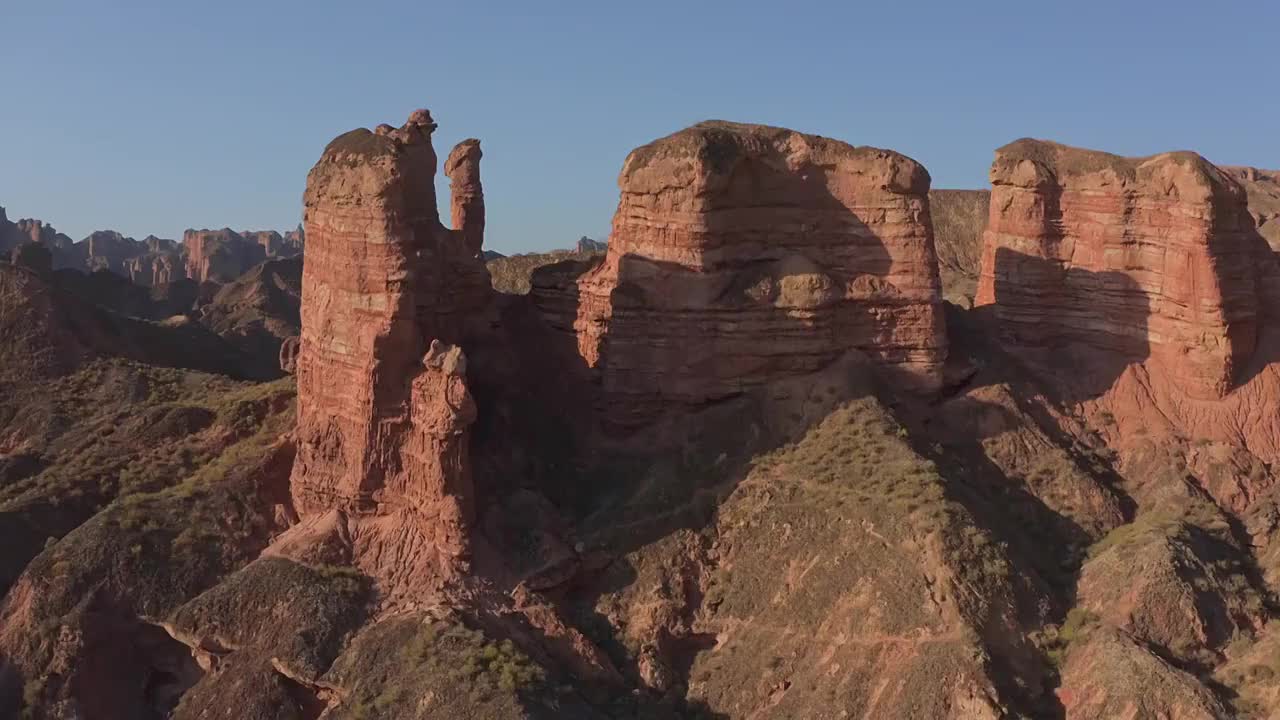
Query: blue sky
150, 117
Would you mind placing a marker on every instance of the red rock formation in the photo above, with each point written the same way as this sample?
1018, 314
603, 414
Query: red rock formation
466, 196
219, 255
155, 268
1263, 190
294, 241
742, 254
383, 406
108, 250
1138, 257
1141, 291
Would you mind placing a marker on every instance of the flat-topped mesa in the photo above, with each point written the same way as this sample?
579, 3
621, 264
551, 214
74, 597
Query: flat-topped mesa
742, 254
1151, 257
383, 407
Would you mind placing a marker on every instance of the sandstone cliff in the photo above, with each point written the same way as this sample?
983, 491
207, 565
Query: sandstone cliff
1142, 257
742, 254
383, 406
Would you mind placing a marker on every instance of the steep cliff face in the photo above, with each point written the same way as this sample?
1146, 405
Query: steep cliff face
383, 406
26, 230
219, 255
155, 268
743, 253
1137, 257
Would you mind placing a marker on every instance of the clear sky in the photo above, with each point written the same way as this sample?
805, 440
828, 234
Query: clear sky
150, 117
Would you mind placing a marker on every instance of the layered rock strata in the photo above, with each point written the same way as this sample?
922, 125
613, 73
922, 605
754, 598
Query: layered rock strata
383, 405
1141, 258
741, 254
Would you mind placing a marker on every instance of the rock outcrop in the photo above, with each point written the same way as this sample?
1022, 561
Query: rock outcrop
587, 245
383, 405
1141, 258
155, 268
219, 255
742, 254
26, 230
466, 195
108, 250
1263, 190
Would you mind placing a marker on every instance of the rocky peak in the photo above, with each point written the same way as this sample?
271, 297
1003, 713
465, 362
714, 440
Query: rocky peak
466, 207
383, 406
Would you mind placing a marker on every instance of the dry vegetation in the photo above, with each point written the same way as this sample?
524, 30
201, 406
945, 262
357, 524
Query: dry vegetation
959, 217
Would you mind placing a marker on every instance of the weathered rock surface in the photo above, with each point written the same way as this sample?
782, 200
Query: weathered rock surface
1137, 257
219, 255
24, 231
383, 405
743, 253
1263, 190
587, 245
258, 310
466, 194
155, 268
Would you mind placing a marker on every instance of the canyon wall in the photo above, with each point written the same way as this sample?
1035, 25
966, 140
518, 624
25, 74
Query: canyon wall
383, 405
742, 254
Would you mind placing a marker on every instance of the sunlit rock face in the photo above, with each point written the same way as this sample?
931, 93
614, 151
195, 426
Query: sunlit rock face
383, 405
741, 254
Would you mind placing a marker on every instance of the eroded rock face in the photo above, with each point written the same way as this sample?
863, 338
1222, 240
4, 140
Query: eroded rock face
155, 268
383, 405
219, 255
742, 254
466, 195
1138, 257
1263, 190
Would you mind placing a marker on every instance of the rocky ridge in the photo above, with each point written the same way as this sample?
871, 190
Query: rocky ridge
932, 519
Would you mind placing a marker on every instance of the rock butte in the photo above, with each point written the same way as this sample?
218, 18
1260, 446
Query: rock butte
383, 405
219, 255
742, 254
1142, 257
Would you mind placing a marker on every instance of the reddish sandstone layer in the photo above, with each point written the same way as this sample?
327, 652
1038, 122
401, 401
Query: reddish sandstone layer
1136, 257
383, 407
741, 254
